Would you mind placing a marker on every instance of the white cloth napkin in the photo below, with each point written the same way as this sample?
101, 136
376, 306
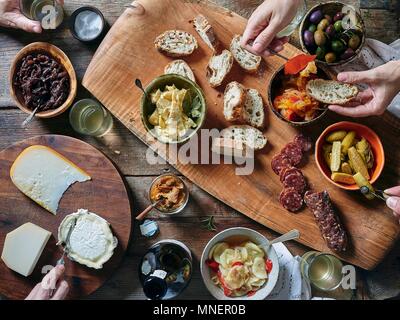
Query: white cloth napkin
372, 55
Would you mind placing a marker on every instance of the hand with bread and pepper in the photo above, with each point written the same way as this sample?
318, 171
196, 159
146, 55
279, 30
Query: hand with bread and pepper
11, 16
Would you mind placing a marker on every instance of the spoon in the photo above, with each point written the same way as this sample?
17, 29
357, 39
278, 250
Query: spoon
278, 54
291, 235
146, 211
139, 84
30, 117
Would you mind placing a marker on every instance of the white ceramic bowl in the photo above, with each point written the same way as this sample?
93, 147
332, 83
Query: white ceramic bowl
257, 238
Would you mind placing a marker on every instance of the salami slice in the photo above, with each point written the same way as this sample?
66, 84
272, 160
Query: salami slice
295, 181
291, 200
303, 141
293, 152
287, 171
280, 162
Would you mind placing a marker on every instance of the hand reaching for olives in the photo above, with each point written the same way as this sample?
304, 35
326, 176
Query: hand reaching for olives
265, 23
383, 85
12, 17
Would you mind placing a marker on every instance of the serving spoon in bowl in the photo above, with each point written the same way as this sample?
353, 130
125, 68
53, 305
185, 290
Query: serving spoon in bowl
291, 235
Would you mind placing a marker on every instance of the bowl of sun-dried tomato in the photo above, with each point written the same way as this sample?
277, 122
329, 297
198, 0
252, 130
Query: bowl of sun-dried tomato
42, 77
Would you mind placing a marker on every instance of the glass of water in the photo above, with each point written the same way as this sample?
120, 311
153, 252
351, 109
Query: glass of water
300, 14
49, 13
323, 270
90, 118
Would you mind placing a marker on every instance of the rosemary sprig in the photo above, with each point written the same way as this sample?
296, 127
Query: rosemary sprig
209, 223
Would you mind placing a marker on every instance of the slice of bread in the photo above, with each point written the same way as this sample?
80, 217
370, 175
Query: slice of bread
176, 43
254, 109
249, 136
234, 102
179, 67
206, 32
218, 68
244, 58
331, 92
231, 148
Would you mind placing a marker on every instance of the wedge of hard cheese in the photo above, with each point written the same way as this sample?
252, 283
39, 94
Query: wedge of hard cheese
44, 175
23, 248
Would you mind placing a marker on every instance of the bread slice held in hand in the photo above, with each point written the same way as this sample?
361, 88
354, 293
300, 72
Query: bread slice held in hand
176, 43
331, 92
254, 114
206, 32
218, 68
244, 58
234, 102
181, 68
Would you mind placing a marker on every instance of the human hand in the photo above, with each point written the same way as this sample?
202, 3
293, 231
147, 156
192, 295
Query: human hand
383, 85
267, 20
52, 282
394, 201
12, 17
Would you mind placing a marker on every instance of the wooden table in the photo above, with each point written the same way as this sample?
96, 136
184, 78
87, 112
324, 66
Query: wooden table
128, 153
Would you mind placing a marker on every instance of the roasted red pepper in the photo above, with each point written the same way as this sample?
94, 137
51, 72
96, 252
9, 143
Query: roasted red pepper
214, 266
238, 263
227, 291
268, 265
298, 63
251, 293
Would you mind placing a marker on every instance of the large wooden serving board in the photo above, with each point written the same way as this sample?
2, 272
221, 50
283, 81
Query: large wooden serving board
128, 53
105, 195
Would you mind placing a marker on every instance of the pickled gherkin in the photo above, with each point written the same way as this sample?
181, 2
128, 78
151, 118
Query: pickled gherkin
336, 136
327, 148
364, 149
358, 163
336, 156
348, 141
343, 178
345, 167
363, 182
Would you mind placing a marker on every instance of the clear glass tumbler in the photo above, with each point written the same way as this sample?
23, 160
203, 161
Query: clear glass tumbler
49, 13
300, 14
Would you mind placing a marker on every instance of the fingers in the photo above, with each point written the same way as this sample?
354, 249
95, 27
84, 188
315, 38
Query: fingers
21, 22
395, 191
265, 38
34, 292
51, 279
61, 292
358, 111
255, 25
356, 77
394, 204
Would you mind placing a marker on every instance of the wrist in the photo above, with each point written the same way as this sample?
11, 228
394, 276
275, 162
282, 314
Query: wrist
394, 66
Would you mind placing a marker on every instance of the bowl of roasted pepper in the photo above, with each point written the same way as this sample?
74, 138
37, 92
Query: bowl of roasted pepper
350, 155
288, 98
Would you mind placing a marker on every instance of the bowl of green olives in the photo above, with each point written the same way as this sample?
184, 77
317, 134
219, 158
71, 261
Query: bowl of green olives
334, 32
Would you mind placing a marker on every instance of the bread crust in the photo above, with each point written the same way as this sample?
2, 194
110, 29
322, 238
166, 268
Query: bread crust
314, 84
236, 42
210, 71
159, 43
237, 114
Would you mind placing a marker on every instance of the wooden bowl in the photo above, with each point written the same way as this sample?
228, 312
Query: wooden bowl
331, 8
274, 87
60, 57
362, 131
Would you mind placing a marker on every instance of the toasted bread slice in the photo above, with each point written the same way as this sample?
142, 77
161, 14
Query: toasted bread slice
249, 136
244, 58
206, 32
176, 43
218, 68
179, 67
331, 92
254, 114
234, 102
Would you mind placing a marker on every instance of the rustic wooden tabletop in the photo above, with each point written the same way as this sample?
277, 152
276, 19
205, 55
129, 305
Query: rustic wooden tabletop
128, 153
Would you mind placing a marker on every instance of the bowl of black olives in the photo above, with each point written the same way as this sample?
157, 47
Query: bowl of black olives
334, 32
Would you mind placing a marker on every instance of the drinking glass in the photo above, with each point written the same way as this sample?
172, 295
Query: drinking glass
48, 12
301, 12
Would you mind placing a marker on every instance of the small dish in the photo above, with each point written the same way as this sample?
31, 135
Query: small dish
247, 234
59, 56
273, 89
147, 108
361, 131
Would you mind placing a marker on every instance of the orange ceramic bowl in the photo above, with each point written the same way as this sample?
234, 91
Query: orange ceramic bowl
362, 131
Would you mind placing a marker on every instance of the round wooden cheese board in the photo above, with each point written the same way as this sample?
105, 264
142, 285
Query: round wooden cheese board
105, 195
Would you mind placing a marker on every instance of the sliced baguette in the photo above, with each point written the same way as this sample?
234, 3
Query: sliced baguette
254, 109
234, 102
206, 32
179, 67
249, 136
244, 58
218, 68
231, 148
176, 43
331, 92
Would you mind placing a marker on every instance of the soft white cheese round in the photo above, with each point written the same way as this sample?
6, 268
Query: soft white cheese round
91, 242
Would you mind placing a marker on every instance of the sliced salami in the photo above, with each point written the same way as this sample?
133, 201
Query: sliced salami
295, 181
287, 171
303, 141
291, 200
293, 152
280, 162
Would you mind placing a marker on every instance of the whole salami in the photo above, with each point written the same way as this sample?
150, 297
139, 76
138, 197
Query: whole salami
291, 200
328, 221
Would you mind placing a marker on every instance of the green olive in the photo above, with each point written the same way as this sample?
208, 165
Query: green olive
354, 42
337, 46
338, 26
320, 52
320, 38
323, 24
312, 28
330, 57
